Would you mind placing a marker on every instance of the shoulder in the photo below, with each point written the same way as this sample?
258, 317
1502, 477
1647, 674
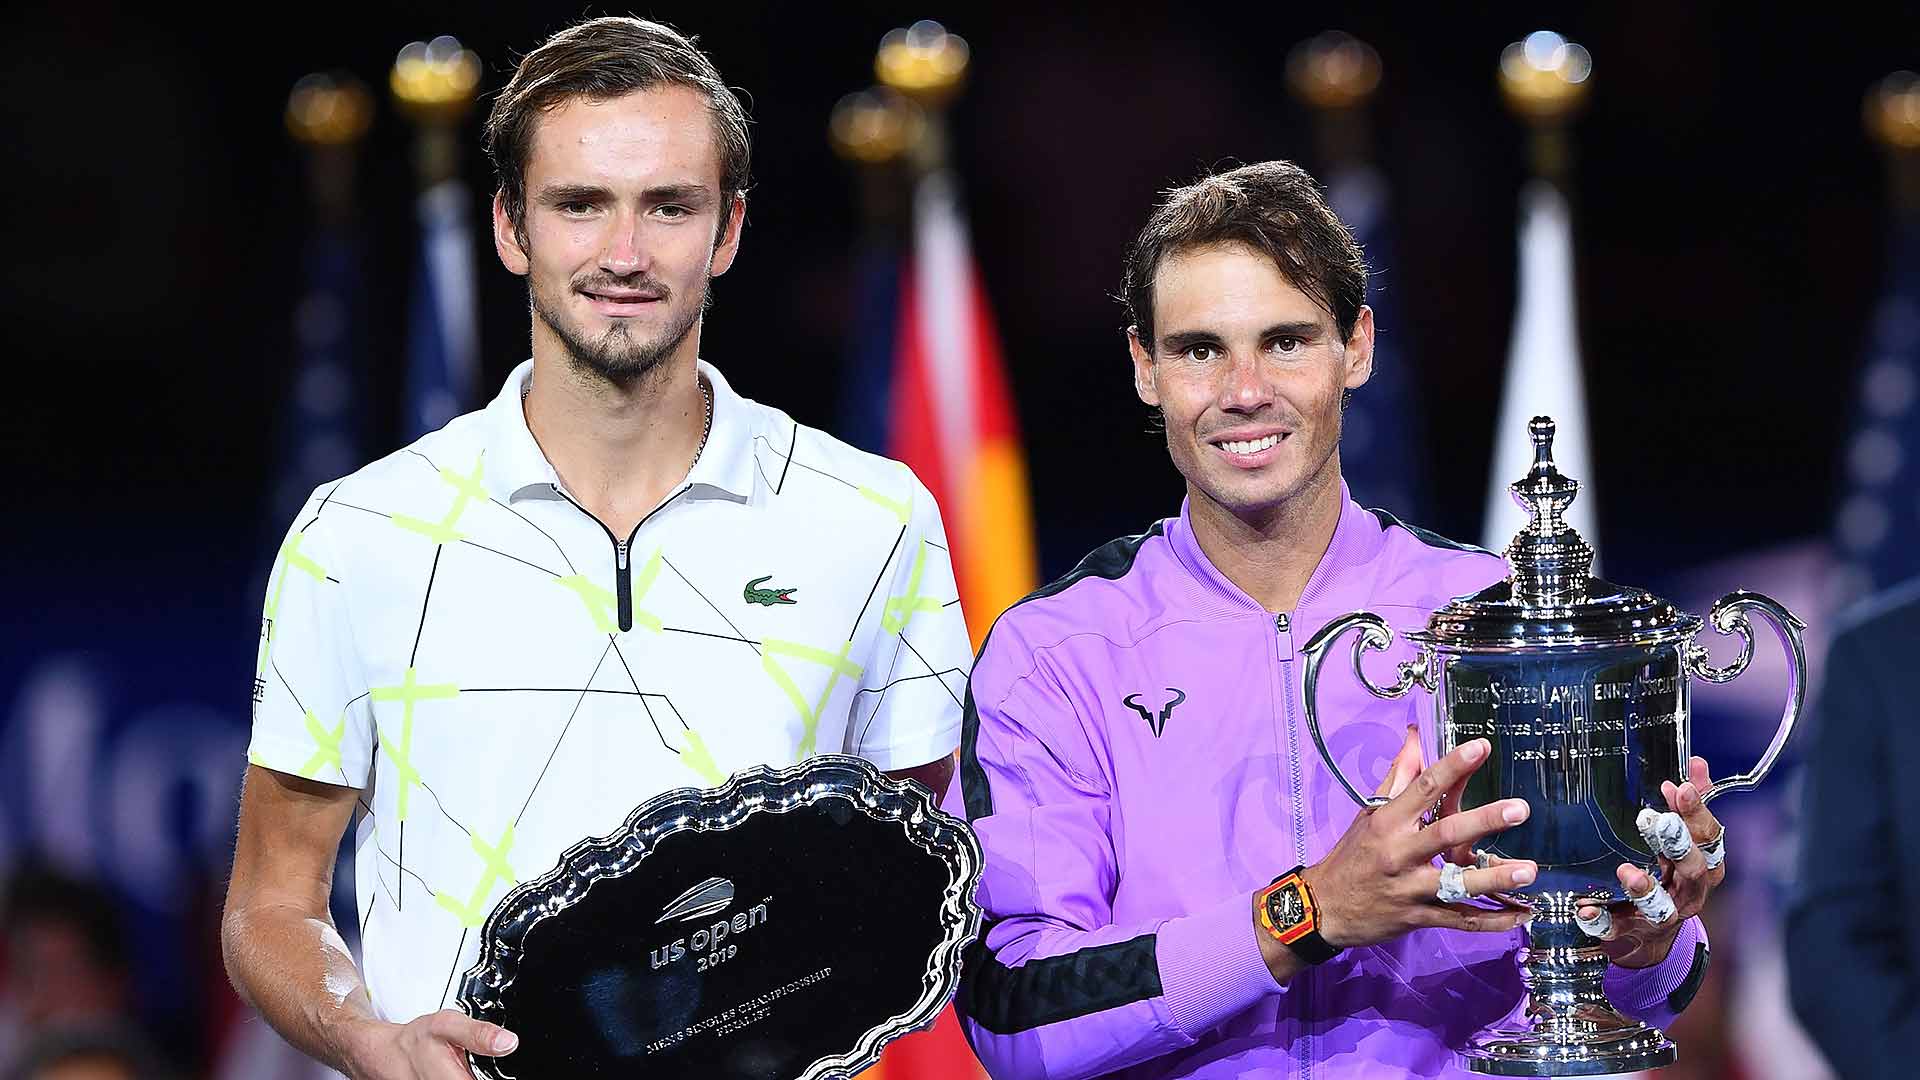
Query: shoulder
1105, 596
1421, 568
832, 475
407, 480
1885, 624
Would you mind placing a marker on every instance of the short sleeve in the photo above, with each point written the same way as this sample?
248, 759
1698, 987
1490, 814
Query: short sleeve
907, 712
311, 716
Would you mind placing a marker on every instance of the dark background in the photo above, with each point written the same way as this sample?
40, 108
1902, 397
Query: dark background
1729, 214
1732, 237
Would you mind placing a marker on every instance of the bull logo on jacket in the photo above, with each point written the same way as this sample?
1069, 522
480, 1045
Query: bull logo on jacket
1156, 721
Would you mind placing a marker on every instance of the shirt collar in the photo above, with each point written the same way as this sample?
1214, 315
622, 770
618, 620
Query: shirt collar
1344, 550
515, 463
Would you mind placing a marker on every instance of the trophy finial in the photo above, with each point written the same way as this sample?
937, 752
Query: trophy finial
1549, 562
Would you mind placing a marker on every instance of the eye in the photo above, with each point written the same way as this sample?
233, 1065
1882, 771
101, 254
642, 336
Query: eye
672, 211
1287, 344
576, 208
1202, 353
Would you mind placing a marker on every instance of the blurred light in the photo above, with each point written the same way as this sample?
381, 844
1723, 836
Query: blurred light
1875, 457
923, 60
1890, 388
1863, 523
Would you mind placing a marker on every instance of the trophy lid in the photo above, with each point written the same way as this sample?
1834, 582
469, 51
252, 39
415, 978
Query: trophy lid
1550, 597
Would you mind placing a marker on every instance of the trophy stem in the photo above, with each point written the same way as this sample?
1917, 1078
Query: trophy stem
1569, 1029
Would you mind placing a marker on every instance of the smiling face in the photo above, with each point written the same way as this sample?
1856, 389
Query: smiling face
623, 208
1249, 373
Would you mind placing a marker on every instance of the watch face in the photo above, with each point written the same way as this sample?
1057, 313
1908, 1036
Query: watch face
1285, 908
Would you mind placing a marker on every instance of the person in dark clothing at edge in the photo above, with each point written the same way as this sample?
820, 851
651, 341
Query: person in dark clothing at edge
1132, 755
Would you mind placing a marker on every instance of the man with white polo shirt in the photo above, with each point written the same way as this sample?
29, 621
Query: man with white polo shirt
620, 577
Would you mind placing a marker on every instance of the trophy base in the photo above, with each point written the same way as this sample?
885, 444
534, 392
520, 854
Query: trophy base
1569, 1028
1600, 1043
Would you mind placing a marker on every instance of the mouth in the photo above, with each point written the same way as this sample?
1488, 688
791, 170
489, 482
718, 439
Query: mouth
621, 303
1253, 451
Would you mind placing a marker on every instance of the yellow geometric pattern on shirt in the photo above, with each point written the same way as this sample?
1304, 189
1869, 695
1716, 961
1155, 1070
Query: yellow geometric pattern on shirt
901, 609
327, 746
466, 489
494, 858
290, 559
408, 692
698, 758
603, 606
836, 664
900, 508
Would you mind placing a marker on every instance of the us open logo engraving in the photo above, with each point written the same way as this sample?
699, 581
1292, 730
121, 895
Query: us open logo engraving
711, 897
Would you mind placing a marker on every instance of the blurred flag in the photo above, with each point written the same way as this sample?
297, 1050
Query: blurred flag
1543, 373
1879, 517
866, 395
1381, 448
443, 338
951, 415
322, 429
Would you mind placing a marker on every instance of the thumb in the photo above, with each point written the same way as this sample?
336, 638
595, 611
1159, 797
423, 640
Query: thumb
1407, 766
476, 1035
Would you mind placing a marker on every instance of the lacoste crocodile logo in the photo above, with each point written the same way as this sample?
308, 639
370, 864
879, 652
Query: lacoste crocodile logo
756, 595
1158, 722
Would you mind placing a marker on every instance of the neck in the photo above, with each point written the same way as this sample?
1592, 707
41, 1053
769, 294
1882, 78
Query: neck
1272, 553
619, 447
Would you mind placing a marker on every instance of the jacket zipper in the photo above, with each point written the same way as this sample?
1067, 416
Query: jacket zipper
622, 569
1283, 628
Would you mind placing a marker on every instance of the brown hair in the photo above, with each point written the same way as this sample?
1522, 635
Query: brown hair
601, 59
1273, 207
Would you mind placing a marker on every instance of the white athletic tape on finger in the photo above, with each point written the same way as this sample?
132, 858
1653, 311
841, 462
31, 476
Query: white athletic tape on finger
1598, 925
1665, 833
1453, 883
1656, 907
1715, 849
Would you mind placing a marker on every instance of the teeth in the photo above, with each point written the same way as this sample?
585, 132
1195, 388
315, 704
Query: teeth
1250, 447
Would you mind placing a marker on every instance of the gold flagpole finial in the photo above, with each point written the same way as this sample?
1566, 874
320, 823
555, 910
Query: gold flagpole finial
1544, 77
923, 61
435, 82
876, 126
1893, 111
329, 110
1333, 71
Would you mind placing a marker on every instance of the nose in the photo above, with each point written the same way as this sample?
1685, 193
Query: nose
1244, 386
624, 253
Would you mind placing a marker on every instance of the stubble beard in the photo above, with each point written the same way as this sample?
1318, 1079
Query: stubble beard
616, 356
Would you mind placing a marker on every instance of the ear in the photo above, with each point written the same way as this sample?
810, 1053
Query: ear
1360, 350
729, 245
506, 239
1143, 384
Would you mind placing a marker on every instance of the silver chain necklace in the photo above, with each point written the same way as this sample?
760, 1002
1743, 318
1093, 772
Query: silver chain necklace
706, 401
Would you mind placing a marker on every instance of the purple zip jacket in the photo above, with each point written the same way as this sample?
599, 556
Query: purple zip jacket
1136, 762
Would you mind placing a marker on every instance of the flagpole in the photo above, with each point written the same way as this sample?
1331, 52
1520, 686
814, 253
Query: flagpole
434, 84
1545, 81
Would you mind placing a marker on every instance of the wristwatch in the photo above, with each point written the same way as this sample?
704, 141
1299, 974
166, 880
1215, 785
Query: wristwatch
1287, 912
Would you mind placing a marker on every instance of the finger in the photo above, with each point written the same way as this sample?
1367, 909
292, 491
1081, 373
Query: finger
1465, 829
1406, 765
1434, 781
1649, 897
469, 1034
1687, 802
1594, 920
1505, 877
1469, 917
1666, 834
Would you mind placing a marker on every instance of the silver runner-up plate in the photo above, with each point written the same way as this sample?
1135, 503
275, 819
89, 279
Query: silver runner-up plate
787, 924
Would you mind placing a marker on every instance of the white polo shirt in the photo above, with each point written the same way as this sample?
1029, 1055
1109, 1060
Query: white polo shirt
445, 630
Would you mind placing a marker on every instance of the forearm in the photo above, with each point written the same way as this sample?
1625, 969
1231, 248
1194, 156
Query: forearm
1042, 1000
296, 971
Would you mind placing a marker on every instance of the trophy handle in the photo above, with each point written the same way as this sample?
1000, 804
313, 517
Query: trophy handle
1374, 634
1729, 617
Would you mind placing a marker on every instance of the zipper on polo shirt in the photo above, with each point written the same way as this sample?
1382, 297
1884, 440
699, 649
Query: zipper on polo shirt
622, 549
1283, 639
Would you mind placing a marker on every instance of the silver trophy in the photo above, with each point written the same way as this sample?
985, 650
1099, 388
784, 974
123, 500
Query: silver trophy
1582, 687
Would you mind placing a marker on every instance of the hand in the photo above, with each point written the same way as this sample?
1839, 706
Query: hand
1632, 941
431, 1047
1379, 880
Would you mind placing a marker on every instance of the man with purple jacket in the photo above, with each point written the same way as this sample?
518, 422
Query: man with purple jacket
1175, 885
